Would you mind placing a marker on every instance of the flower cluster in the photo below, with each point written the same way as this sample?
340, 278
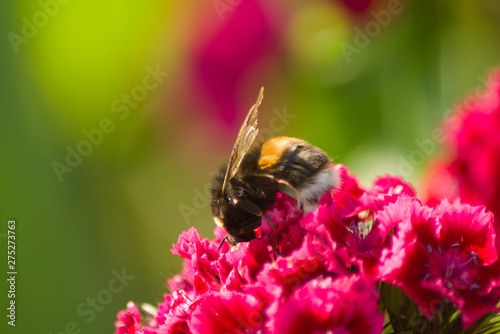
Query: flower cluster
365, 259
471, 171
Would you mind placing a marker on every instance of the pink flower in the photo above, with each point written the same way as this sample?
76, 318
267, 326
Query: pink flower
247, 37
249, 258
227, 312
281, 225
175, 312
201, 256
389, 185
129, 320
448, 251
326, 305
190, 243
283, 213
471, 172
470, 227
351, 217
475, 136
286, 274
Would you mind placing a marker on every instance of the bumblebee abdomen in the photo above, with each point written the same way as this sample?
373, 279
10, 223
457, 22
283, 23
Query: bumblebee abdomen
291, 159
274, 150
302, 165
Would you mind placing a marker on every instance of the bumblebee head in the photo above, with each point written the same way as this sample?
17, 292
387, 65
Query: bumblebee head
233, 209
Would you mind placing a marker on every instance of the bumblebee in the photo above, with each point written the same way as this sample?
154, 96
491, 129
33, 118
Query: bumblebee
244, 189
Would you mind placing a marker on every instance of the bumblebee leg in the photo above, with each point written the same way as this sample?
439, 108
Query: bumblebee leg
229, 241
266, 217
275, 252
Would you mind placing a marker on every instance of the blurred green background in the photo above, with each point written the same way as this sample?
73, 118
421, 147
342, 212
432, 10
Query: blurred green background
114, 114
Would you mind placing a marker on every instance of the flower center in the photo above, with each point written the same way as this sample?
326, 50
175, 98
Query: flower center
457, 268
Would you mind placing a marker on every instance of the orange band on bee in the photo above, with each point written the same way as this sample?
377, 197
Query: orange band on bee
272, 151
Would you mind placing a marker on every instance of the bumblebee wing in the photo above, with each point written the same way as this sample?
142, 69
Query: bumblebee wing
244, 141
270, 180
249, 206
